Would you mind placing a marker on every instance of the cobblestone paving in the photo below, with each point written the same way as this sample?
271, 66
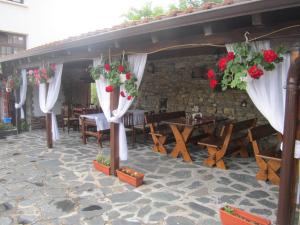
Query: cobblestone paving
59, 186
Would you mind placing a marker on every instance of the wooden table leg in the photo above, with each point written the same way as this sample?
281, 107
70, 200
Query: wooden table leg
181, 140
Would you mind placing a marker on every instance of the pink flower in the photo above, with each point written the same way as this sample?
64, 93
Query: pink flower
53, 67
30, 72
43, 71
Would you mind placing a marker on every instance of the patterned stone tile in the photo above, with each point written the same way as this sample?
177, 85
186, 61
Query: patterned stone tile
60, 186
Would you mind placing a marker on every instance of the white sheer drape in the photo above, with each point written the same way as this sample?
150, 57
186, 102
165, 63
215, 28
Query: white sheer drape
23, 91
137, 64
268, 92
47, 101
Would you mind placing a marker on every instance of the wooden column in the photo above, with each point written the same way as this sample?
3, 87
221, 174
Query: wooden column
114, 134
287, 193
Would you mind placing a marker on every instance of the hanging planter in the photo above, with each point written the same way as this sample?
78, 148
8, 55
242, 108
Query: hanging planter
102, 164
236, 67
116, 74
233, 216
130, 176
41, 75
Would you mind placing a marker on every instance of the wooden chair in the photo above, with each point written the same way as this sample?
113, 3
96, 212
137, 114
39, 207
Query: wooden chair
68, 120
233, 139
268, 160
143, 128
161, 133
129, 125
88, 129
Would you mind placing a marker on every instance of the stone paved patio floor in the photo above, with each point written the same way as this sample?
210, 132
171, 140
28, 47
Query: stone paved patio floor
59, 186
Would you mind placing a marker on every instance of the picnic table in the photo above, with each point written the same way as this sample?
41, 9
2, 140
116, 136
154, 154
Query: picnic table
182, 136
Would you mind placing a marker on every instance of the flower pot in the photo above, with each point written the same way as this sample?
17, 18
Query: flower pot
240, 217
122, 78
136, 180
102, 168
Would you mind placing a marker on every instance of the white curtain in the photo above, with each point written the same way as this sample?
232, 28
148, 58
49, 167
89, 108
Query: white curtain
23, 90
47, 101
268, 92
137, 64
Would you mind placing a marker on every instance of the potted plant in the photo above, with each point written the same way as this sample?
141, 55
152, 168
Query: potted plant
233, 216
102, 164
130, 176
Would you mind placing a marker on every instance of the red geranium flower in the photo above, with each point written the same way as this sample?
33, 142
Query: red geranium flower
213, 83
128, 76
211, 74
270, 56
129, 97
222, 63
109, 88
121, 68
230, 56
255, 72
122, 93
107, 67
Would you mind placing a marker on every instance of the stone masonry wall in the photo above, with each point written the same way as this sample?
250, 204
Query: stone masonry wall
173, 80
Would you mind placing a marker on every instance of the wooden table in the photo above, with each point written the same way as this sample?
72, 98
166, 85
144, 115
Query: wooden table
182, 137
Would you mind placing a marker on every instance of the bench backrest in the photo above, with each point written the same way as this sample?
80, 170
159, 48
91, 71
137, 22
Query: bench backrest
157, 118
259, 132
232, 128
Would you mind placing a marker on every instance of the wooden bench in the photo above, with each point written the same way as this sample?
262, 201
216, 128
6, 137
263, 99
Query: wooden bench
233, 139
161, 133
268, 160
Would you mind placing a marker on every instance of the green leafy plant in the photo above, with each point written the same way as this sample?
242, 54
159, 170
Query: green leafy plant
242, 63
228, 209
13, 82
116, 74
24, 125
101, 159
4, 126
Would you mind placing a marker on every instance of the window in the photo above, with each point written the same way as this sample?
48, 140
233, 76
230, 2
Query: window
15, 39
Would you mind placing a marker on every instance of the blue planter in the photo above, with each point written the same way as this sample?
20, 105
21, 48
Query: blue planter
7, 120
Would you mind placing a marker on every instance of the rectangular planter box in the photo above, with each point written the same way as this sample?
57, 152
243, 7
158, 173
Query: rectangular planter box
231, 219
7, 120
102, 168
134, 181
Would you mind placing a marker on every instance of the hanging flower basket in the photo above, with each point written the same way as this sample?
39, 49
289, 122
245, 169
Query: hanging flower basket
41, 75
233, 216
102, 164
130, 176
236, 67
116, 74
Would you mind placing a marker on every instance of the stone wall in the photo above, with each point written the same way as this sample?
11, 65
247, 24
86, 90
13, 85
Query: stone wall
172, 80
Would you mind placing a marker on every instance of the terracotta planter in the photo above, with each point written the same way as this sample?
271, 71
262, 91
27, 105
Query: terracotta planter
102, 168
244, 218
135, 181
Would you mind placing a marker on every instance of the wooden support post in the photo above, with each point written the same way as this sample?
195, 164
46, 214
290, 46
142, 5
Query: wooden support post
49, 130
49, 126
114, 134
287, 194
